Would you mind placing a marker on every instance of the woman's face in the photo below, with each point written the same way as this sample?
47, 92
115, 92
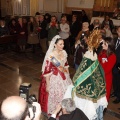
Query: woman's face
31, 19
83, 27
53, 19
59, 45
63, 20
107, 18
37, 18
105, 45
20, 20
13, 22
41, 18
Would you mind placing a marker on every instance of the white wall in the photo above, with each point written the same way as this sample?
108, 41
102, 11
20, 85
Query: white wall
51, 6
80, 3
41, 6
21, 8
58, 5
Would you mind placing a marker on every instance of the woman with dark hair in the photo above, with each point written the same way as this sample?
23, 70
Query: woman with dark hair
13, 27
55, 76
84, 17
22, 34
107, 59
108, 21
47, 17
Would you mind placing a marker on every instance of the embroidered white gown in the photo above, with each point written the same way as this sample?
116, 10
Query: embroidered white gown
59, 81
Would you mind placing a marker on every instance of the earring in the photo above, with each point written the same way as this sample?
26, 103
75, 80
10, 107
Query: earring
55, 48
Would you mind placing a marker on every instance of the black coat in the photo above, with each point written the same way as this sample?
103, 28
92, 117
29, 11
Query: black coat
3, 31
75, 28
43, 33
117, 53
77, 114
79, 54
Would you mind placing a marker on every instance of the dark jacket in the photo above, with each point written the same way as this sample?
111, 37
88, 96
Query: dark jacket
117, 53
3, 31
20, 29
13, 29
79, 54
77, 114
43, 33
75, 28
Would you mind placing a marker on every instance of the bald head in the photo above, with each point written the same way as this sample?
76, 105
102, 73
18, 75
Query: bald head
13, 107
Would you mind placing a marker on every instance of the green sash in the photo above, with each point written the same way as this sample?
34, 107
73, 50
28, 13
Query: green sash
86, 74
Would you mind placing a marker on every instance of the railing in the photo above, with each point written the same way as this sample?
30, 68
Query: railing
8, 39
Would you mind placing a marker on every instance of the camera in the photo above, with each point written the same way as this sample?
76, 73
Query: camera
82, 36
82, 39
24, 93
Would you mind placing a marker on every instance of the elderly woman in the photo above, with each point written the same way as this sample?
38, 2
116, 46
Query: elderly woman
85, 30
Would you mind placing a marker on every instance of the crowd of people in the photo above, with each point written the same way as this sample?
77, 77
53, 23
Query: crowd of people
96, 60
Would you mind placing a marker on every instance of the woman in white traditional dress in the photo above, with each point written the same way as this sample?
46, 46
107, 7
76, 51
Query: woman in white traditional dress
88, 89
55, 76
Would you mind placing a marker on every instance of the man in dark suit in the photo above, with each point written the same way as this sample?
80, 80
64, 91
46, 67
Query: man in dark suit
116, 70
69, 110
75, 27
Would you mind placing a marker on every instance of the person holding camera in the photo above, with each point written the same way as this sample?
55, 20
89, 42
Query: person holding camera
16, 108
80, 45
84, 31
